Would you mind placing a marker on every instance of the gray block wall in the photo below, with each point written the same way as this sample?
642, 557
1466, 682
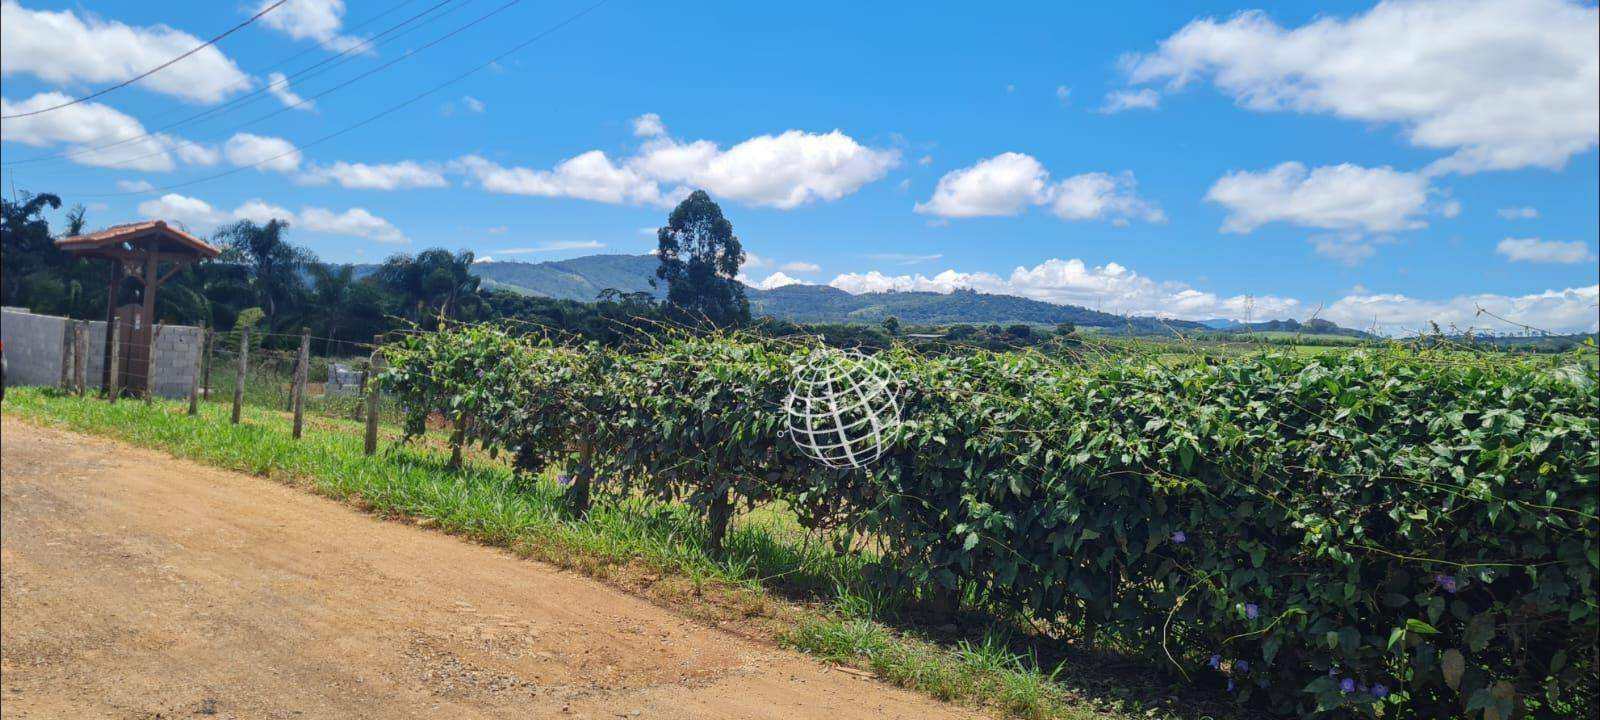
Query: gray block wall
34, 351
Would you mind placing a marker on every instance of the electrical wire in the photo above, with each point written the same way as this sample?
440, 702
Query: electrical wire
151, 71
310, 71
371, 118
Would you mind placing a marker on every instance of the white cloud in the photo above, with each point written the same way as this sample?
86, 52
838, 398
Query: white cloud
1350, 248
1120, 100
1005, 184
752, 260
1568, 310
784, 171
272, 153
1093, 196
473, 103
1117, 289
648, 125
590, 176
1519, 213
64, 48
355, 222
319, 20
1500, 85
198, 214
278, 85
1009, 183
498, 230
1543, 251
1063, 93
925, 160
390, 176
556, 246
96, 134
135, 186
800, 267
483, 259
1336, 197
775, 280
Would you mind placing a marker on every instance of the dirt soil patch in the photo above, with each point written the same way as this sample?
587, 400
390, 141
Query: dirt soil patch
136, 585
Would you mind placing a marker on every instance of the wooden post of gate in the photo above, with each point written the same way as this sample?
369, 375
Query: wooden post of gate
80, 356
114, 376
238, 381
301, 370
194, 379
150, 366
373, 366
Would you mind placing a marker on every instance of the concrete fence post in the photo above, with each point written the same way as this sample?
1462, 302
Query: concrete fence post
238, 382
301, 371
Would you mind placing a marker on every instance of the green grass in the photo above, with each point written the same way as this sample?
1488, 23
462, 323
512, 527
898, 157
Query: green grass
815, 600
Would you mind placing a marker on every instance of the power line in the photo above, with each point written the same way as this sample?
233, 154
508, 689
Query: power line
343, 56
371, 118
307, 100
153, 70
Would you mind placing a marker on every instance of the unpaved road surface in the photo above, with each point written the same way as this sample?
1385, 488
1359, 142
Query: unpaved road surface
134, 585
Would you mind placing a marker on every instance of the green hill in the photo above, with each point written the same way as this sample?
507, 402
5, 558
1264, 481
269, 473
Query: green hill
583, 278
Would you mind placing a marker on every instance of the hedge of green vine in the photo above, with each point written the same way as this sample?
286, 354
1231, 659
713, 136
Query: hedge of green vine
1373, 532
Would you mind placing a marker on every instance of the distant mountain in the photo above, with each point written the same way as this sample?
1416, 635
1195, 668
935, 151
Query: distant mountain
583, 279
824, 304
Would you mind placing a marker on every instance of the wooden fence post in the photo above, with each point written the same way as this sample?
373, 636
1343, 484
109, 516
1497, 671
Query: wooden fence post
150, 366
114, 378
194, 379
301, 371
68, 331
80, 356
373, 366
238, 382
458, 438
205, 362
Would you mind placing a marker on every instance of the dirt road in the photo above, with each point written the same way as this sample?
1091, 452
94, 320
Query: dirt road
133, 585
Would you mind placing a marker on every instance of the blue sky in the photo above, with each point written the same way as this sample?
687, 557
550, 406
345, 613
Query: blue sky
1394, 164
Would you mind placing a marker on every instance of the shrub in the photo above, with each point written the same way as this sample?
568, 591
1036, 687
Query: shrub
1411, 531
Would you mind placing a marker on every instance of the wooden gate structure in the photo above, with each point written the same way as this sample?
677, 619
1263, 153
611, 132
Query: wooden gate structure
137, 251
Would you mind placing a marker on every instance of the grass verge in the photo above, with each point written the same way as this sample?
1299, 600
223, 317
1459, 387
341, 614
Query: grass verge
655, 549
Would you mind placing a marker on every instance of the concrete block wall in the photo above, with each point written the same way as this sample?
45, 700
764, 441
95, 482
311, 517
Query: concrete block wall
34, 351
343, 380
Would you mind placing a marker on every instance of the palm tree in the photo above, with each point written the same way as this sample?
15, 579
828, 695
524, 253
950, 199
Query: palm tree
274, 266
434, 279
332, 291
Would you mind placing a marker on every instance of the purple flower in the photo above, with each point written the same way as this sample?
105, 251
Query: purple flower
1242, 666
1179, 538
1379, 691
1333, 672
1230, 685
1252, 611
1215, 662
564, 479
1347, 685
1446, 582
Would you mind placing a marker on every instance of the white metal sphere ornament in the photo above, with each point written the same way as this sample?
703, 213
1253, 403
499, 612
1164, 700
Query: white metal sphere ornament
842, 408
